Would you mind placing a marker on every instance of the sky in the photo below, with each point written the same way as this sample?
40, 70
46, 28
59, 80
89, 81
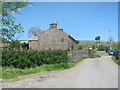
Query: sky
81, 20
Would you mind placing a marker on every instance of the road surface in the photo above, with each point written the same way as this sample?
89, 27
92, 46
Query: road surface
90, 73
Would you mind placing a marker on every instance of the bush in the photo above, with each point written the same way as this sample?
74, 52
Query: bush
117, 55
79, 47
32, 58
117, 61
93, 47
101, 47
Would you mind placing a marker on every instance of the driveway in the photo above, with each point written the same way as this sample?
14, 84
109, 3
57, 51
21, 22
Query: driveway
90, 73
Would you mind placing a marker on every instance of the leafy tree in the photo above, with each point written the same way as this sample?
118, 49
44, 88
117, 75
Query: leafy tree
97, 38
35, 31
9, 27
14, 43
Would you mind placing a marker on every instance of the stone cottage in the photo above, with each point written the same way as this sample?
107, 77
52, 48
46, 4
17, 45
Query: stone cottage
53, 38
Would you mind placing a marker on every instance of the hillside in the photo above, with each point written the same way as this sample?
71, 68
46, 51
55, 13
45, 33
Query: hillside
90, 42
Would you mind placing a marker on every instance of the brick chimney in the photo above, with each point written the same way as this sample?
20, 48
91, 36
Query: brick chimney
53, 25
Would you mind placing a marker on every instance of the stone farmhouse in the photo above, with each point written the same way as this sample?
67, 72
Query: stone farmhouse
53, 38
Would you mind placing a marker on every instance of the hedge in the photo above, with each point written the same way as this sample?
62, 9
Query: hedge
101, 47
32, 58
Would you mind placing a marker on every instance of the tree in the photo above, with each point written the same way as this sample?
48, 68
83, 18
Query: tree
9, 27
111, 39
35, 31
97, 38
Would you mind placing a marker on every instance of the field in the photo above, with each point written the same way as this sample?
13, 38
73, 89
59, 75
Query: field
90, 46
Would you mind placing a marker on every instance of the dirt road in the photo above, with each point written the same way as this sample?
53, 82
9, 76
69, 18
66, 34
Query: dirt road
90, 73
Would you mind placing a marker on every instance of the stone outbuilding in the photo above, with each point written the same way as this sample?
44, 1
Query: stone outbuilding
53, 38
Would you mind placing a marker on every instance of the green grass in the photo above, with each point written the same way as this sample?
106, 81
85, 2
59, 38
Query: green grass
73, 64
14, 73
88, 46
114, 46
93, 56
116, 60
89, 56
11, 72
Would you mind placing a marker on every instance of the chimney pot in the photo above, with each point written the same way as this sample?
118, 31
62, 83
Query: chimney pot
53, 25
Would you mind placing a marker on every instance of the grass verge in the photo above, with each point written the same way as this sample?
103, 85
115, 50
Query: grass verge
116, 60
94, 56
89, 56
73, 64
14, 73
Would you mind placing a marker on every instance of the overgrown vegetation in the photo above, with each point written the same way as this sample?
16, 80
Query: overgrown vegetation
117, 61
32, 58
101, 47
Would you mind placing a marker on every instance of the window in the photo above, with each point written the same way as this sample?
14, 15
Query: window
62, 39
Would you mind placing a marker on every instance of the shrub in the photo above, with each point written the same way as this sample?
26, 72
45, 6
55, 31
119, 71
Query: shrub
79, 47
32, 58
117, 55
93, 47
101, 47
117, 61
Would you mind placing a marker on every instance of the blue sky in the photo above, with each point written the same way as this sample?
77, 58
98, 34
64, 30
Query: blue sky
82, 20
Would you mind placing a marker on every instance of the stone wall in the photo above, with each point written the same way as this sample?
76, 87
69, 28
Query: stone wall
33, 44
101, 53
77, 55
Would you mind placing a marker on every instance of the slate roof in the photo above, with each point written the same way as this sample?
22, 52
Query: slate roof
34, 38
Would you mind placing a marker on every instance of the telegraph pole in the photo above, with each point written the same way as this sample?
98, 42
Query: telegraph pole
109, 36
